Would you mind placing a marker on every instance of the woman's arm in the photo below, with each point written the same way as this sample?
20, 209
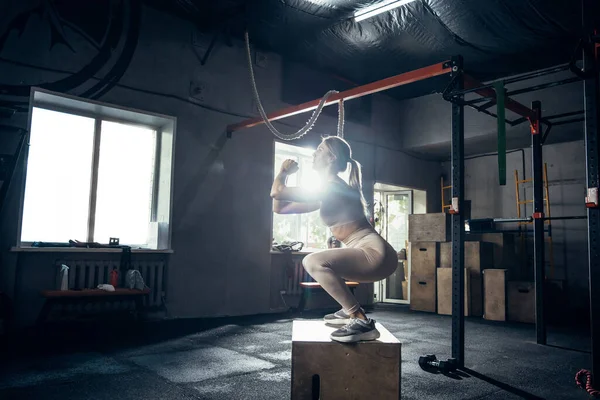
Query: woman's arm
279, 191
290, 207
291, 200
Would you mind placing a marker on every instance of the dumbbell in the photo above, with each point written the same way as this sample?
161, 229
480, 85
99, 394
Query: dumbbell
430, 363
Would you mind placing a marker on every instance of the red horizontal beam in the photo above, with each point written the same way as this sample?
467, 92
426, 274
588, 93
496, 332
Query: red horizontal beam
509, 104
370, 88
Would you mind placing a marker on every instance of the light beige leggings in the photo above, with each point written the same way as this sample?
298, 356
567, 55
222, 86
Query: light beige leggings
366, 258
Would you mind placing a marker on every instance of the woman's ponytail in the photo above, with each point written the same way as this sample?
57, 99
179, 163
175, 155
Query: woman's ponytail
355, 181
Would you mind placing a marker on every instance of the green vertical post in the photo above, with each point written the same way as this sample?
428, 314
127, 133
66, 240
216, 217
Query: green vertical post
501, 112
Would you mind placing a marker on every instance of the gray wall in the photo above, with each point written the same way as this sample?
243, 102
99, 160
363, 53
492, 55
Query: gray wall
566, 186
222, 211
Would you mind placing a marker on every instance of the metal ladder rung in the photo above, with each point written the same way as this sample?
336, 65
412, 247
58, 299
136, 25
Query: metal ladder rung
528, 201
446, 187
525, 180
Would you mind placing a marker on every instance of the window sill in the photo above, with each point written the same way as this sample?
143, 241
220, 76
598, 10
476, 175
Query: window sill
84, 250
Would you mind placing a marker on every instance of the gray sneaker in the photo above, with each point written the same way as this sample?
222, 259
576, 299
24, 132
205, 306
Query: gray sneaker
337, 318
357, 330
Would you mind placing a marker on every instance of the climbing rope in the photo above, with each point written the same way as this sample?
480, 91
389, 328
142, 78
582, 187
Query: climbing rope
340, 131
313, 119
587, 383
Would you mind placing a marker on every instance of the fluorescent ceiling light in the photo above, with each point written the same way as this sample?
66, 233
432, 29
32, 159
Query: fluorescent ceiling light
378, 8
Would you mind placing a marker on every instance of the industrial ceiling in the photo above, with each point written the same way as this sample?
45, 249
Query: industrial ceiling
497, 38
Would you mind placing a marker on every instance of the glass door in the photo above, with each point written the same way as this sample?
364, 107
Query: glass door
396, 207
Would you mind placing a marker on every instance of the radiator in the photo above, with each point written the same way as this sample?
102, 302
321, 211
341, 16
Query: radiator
295, 275
88, 274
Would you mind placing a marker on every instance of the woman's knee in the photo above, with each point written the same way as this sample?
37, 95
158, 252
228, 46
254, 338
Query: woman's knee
310, 263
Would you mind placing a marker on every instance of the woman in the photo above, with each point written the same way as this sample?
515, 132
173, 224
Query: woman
366, 257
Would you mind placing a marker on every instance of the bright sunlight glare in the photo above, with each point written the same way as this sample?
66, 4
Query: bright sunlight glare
59, 169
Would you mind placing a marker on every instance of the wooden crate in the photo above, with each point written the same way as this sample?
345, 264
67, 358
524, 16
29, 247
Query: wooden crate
424, 258
433, 227
444, 291
324, 369
521, 301
423, 292
478, 256
503, 247
494, 296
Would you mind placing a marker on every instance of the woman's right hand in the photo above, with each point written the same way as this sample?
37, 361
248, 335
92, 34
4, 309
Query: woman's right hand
289, 167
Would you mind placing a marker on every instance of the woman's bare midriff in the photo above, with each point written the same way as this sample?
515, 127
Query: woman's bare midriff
341, 232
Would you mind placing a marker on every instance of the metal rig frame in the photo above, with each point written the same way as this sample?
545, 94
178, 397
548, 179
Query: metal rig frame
461, 84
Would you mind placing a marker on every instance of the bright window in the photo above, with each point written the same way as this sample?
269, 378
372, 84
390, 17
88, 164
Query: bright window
60, 177
94, 172
59, 171
306, 228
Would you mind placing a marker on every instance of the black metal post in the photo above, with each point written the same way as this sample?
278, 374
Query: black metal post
590, 63
457, 217
538, 221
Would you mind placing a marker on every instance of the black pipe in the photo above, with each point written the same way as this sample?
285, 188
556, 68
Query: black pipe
547, 71
524, 231
528, 219
538, 225
565, 218
567, 114
536, 74
525, 90
569, 121
543, 86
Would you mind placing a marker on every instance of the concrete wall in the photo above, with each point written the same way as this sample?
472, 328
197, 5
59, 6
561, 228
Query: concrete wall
566, 186
222, 211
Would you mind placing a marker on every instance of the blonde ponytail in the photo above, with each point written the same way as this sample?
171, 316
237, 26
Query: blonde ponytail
355, 181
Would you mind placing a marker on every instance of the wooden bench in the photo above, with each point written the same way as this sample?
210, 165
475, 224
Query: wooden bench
64, 297
309, 286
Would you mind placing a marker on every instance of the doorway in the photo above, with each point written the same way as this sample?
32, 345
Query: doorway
392, 206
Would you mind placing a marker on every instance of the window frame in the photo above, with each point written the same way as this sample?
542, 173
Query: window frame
164, 126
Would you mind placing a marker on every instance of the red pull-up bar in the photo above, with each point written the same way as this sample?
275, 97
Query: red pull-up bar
385, 84
374, 87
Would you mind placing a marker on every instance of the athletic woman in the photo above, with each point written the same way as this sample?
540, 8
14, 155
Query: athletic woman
365, 257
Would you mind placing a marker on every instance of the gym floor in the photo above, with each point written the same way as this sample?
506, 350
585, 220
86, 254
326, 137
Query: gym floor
249, 358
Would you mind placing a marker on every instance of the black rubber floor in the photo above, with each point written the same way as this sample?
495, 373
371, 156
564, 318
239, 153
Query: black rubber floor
249, 358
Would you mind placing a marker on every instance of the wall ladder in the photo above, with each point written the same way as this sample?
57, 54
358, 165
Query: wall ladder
520, 214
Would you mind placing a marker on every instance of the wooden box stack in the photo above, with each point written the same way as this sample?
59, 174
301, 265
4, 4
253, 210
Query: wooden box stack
492, 290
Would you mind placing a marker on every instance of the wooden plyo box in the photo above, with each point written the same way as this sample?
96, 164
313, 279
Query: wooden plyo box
328, 370
432, 227
478, 256
494, 297
521, 301
424, 258
444, 291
